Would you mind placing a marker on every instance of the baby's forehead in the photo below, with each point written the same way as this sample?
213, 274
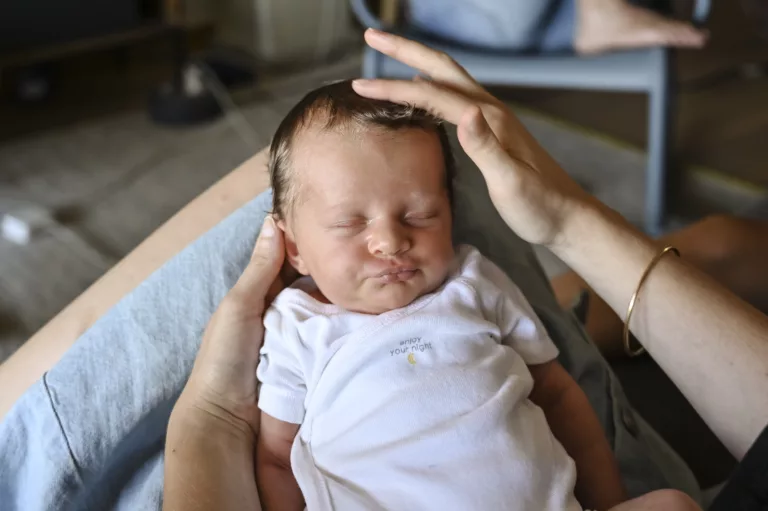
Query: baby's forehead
316, 128
315, 147
344, 165
351, 134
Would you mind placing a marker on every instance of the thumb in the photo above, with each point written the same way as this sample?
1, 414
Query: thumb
266, 259
481, 145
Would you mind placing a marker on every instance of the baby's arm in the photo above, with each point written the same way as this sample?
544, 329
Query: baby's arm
281, 401
575, 424
277, 486
568, 412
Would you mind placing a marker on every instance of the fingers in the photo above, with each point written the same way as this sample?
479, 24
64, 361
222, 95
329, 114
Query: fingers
481, 145
266, 261
439, 101
433, 63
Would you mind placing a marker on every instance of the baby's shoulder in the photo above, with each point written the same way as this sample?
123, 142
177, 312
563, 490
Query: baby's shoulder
473, 268
302, 298
298, 315
485, 280
467, 285
292, 306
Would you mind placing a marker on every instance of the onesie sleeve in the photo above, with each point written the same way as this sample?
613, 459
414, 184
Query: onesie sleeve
521, 329
283, 387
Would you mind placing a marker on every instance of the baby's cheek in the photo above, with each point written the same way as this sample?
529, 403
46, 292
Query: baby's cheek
342, 253
442, 248
347, 264
438, 257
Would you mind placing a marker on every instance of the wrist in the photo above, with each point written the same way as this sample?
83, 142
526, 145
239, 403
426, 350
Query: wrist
197, 414
578, 225
590, 223
209, 460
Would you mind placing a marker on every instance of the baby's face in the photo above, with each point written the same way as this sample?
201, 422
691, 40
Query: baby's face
372, 219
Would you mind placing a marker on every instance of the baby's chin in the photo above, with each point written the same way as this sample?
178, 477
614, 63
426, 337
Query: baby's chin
390, 297
375, 301
382, 305
377, 296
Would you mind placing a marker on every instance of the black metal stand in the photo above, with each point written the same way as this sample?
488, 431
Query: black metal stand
172, 103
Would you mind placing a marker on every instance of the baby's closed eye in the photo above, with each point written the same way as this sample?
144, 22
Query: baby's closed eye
349, 225
354, 225
421, 219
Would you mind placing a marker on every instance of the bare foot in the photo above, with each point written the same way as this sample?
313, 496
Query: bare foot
604, 25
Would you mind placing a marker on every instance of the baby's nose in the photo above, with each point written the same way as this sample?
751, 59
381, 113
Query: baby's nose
389, 240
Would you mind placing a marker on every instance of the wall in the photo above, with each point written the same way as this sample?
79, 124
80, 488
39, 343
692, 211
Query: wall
284, 30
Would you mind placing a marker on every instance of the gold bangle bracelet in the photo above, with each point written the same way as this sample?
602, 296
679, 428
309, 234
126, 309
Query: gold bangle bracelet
632, 301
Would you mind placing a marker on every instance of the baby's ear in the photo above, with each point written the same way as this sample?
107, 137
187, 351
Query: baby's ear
291, 249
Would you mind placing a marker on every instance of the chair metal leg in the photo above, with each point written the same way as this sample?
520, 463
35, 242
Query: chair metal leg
659, 175
371, 63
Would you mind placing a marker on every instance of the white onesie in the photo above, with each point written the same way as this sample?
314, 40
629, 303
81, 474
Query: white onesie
424, 407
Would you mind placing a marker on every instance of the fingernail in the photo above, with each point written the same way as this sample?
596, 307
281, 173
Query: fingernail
361, 83
382, 39
268, 228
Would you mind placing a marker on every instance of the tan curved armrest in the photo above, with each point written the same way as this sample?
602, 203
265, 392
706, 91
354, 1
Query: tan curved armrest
47, 346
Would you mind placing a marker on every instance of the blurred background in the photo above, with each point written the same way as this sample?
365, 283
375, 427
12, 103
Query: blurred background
114, 115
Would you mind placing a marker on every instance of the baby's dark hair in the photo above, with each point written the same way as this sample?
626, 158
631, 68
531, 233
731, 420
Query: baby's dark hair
338, 105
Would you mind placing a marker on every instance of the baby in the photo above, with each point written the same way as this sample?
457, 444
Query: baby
400, 372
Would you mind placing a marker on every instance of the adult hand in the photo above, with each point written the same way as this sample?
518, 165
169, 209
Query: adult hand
223, 380
209, 448
534, 196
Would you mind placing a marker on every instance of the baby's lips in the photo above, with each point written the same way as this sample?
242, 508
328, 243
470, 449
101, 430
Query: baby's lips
398, 276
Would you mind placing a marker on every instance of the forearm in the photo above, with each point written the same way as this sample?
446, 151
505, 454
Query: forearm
575, 425
209, 463
691, 326
277, 486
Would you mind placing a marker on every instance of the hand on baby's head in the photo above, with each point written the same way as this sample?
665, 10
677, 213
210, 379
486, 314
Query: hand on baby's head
362, 191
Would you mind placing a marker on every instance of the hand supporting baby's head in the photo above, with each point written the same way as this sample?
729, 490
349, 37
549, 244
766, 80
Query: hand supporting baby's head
362, 189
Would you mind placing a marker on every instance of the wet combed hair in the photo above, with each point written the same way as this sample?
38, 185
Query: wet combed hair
337, 105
